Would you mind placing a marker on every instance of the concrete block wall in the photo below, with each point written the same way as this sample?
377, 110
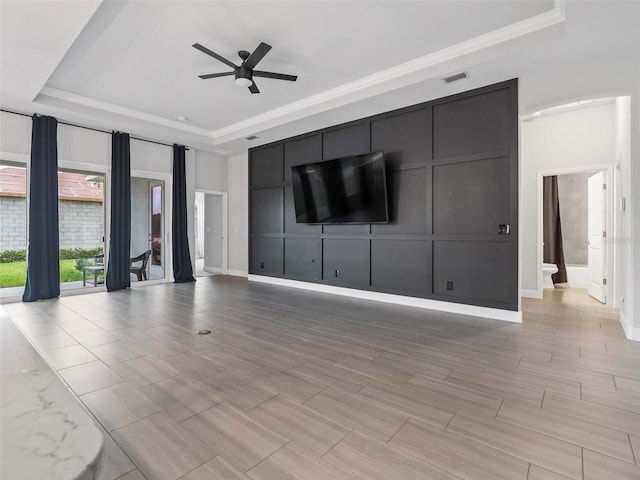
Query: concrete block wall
13, 232
81, 224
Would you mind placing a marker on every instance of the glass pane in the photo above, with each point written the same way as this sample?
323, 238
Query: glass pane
13, 234
147, 229
156, 225
81, 225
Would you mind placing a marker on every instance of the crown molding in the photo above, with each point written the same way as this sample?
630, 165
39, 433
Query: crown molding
449, 60
75, 99
457, 57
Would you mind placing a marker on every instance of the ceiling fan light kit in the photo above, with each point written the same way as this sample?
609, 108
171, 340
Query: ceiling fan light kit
243, 82
245, 72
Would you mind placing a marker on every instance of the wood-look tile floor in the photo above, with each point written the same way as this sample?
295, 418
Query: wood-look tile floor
293, 384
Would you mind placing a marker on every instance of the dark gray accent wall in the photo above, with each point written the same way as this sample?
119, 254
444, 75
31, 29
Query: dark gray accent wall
452, 171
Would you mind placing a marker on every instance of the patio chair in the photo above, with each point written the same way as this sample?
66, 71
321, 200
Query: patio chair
140, 270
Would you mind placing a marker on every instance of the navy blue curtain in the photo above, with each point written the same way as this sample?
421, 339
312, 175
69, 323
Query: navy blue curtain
182, 268
120, 241
43, 262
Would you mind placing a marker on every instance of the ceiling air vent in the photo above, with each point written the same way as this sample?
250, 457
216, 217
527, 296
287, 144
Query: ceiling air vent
455, 78
251, 137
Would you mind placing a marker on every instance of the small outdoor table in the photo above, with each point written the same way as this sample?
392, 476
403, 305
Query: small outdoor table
96, 269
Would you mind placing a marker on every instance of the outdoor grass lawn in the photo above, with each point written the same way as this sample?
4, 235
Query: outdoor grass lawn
14, 274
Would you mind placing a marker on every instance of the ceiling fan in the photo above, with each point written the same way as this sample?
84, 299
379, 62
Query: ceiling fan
245, 72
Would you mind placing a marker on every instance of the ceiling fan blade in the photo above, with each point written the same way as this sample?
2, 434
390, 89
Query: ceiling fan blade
254, 88
277, 76
257, 55
213, 54
215, 75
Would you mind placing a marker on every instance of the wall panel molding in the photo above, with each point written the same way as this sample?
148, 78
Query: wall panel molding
452, 170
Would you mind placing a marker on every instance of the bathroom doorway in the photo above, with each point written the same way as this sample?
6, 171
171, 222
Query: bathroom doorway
585, 219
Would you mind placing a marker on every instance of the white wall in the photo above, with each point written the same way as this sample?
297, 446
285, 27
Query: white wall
146, 156
15, 134
238, 183
578, 138
622, 158
631, 311
79, 145
211, 172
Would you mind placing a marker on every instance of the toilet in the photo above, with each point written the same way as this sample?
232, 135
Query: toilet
548, 269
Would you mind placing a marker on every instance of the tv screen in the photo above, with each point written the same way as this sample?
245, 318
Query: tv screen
345, 190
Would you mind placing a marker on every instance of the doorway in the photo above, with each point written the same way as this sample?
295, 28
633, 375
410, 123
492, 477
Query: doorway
210, 214
586, 217
150, 252
81, 218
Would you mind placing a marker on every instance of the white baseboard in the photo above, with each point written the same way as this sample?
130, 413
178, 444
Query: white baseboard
578, 276
237, 273
531, 293
214, 270
629, 331
472, 310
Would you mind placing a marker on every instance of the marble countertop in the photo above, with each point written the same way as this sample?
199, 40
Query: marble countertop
44, 431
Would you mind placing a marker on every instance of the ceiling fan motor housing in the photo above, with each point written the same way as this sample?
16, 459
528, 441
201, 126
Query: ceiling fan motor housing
243, 72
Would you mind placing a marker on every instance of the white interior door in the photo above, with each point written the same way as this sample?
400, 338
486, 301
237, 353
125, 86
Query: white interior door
595, 242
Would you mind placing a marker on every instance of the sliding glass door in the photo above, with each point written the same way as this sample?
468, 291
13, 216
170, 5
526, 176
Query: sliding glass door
13, 233
81, 224
147, 229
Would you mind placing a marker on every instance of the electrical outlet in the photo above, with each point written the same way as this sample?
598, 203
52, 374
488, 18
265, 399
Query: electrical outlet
449, 285
337, 273
261, 264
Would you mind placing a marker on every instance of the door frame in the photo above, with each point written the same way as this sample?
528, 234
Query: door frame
225, 227
168, 253
85, 167
611, 254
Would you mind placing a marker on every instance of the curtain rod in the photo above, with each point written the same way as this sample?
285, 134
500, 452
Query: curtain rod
90, 128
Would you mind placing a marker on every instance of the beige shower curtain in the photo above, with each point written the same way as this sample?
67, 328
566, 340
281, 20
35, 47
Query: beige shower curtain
553, 249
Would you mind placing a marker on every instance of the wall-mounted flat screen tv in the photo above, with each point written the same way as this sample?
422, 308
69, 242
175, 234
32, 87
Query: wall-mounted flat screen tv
344, 190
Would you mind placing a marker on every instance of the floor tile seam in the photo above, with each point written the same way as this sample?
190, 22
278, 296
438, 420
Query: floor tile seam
324, 417
419, 456
590, 369
95, 417
377, 403
71, 366
564, 440
363, 374
558, 377
597, 405
141, 392
246, 472
502, 450
636, 459
121, 449
400, 452
614, 407
614, 459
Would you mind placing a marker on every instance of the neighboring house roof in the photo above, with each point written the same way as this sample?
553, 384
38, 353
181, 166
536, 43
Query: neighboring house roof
71, 186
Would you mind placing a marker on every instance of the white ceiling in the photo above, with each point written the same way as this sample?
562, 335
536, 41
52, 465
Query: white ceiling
130, 65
